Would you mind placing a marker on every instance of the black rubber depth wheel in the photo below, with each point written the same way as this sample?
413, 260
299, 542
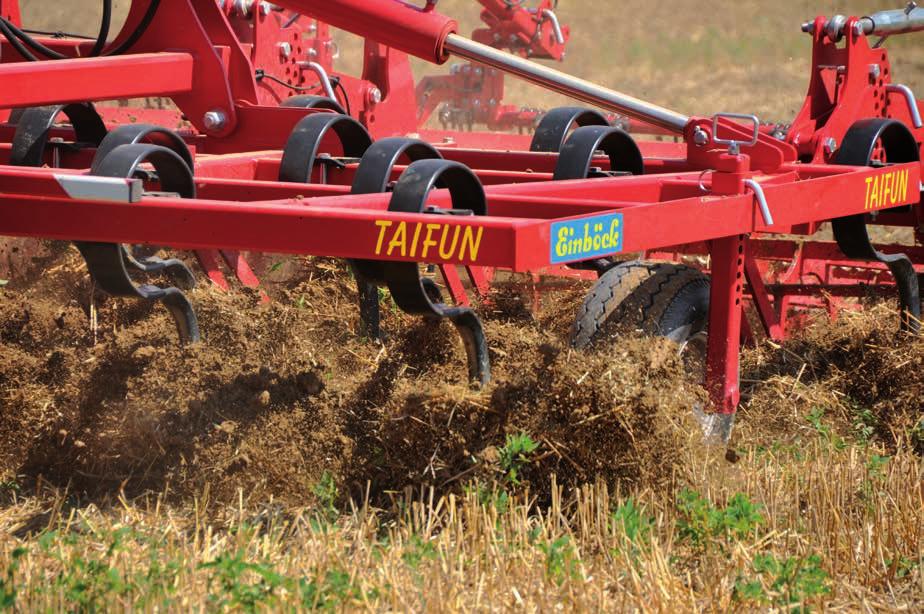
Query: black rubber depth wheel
651, 298
655, 299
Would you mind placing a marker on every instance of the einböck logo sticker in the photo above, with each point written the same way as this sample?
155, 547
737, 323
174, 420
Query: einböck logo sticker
586, 238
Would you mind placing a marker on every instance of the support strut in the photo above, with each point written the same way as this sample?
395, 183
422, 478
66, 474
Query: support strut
724, 344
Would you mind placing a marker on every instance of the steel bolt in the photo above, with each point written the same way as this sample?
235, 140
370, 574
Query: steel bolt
243, 7
830, 145
374, 95
700, 137
214, 120
835, 27
874, 72
265, 8
285, 50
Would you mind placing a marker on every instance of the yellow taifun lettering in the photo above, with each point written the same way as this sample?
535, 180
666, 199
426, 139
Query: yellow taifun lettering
398, 240
886, 190
901, 187
428, 242
414, 242
383, 226
472, 240
444, 253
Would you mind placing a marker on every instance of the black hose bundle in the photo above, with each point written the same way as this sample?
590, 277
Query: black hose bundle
23, 42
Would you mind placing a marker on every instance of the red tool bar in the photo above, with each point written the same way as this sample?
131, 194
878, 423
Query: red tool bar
35, 203
320, 231
393, 23
104, 78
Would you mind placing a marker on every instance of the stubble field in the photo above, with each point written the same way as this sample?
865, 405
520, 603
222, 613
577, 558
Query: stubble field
287, 463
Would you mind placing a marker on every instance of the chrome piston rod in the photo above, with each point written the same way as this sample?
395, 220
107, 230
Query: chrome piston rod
887, 23
568, 85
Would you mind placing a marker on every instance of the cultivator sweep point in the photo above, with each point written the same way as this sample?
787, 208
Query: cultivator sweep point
279, 152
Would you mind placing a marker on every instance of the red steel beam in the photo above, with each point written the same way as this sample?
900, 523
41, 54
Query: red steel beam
129, 76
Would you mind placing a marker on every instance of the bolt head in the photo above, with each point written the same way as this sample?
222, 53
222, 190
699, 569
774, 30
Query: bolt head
285, 50
874, 72
374, 95
700, 137
265, 8
830, 145
214, 120
835, 27
243, 7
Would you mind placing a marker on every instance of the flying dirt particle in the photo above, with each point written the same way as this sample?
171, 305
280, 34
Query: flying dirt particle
263, 399
228, 426
79, 444
309, 383
144, 352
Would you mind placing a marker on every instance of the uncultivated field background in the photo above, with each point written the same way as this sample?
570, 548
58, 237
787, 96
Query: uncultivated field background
698, 57
288, 464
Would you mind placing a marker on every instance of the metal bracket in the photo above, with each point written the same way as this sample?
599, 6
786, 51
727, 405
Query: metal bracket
734, 146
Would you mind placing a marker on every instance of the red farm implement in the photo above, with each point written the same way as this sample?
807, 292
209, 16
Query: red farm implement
272, 150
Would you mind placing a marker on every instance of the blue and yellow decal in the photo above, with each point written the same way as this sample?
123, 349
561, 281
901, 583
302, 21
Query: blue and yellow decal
586, 238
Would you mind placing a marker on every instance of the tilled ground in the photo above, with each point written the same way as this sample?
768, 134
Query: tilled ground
280, 393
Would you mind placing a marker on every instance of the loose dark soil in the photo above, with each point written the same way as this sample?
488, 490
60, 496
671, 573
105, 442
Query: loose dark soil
278, 394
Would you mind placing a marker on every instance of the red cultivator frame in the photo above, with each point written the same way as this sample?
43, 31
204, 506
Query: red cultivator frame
250, 168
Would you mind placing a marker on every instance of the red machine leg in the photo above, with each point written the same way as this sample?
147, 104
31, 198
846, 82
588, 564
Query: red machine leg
768, 316
454, 284
208, 260
725, 313
238, 264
